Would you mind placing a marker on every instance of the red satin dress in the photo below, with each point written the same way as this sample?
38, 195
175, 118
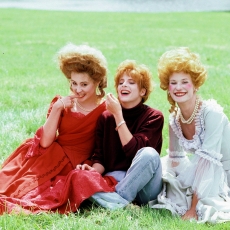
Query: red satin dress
35, 179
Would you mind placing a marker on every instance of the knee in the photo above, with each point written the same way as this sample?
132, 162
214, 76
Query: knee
149, 154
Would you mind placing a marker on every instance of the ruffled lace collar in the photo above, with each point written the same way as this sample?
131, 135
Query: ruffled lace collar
198, 137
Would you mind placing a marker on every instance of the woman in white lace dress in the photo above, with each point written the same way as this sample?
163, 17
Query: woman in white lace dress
196, 171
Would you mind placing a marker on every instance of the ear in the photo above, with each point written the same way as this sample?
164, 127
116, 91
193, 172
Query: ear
142, 92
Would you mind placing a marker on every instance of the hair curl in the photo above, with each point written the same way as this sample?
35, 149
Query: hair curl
140, 73
180, 60
84, 59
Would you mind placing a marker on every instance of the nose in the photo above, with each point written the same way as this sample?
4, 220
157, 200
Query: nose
124, 84
78, 89
178, 86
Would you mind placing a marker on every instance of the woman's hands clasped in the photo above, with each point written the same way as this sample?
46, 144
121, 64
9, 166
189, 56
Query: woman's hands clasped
85, 167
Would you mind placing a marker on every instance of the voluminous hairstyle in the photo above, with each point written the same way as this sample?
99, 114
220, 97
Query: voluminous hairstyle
139, 73
84, 59
180, 60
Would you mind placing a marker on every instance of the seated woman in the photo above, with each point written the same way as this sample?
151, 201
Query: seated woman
196, 170
129, 140
40, 174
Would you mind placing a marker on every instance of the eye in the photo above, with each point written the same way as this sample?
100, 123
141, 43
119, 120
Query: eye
121, 82
132, 82
173, 83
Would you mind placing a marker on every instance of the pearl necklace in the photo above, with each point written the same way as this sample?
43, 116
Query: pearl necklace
191, 118
86, 110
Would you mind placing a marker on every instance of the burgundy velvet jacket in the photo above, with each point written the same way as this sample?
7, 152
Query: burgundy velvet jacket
145, 124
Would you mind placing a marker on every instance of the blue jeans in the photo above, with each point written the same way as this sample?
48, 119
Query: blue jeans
141, 182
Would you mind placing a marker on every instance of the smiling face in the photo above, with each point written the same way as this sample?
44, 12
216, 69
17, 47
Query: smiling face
181, 88
83, 87
129, 93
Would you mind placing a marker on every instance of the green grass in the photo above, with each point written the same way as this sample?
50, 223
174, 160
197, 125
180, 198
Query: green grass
30, 78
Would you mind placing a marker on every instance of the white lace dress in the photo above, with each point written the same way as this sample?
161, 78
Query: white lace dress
201, 165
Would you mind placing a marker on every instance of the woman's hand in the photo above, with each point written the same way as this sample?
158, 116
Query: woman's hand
85, 167
113, 105
190, 214
96, 167
65, 102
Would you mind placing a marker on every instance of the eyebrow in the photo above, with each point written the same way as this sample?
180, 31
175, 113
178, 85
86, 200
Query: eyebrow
80, 82
181, 79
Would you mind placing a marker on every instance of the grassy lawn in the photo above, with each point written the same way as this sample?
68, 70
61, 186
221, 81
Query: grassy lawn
30, 78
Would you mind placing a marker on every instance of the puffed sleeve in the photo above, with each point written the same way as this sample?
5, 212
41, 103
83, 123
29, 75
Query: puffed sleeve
176, 158
35, 148
206, 175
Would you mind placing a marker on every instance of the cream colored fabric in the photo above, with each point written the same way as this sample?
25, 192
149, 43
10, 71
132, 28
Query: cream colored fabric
201, 165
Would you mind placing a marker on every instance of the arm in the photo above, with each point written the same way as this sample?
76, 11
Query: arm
176, 158
51, 124
206, 169
191, 213
114, 107
208, 156
148, 130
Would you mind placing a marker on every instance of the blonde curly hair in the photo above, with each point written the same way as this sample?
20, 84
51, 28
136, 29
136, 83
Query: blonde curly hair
84, 59
180, 60
139, 73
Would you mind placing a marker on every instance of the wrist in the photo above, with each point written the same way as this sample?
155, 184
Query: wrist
119, 124
59, 105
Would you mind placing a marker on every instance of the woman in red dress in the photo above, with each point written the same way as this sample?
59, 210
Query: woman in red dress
41, 175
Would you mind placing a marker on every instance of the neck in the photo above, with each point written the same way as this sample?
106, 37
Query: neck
87, 107
187, 118
187, 107
129, 105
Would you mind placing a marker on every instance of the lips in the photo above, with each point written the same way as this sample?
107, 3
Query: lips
125, 92
79, 95
180, 94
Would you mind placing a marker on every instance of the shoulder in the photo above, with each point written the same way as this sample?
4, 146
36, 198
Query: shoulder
106, 116
101, 107
55, 98
152, 116
153, 112
211, 107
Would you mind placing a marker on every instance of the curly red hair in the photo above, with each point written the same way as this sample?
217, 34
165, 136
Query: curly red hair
180, 60
139, 72
84, 59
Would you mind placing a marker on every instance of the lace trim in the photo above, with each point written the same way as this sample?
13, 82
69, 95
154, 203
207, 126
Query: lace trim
181, 211
201, 215
199, 127
198, 137
176, 156
206, 155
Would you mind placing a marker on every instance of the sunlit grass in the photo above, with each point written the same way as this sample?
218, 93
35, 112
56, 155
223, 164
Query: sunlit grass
30, 79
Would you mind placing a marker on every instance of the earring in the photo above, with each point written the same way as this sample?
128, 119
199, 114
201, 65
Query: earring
169, 94
98, 92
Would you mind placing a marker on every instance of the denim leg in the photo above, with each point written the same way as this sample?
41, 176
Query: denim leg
110, 200
118, 175
143, 179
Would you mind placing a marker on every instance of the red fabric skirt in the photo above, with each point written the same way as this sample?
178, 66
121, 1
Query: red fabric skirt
62, 194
